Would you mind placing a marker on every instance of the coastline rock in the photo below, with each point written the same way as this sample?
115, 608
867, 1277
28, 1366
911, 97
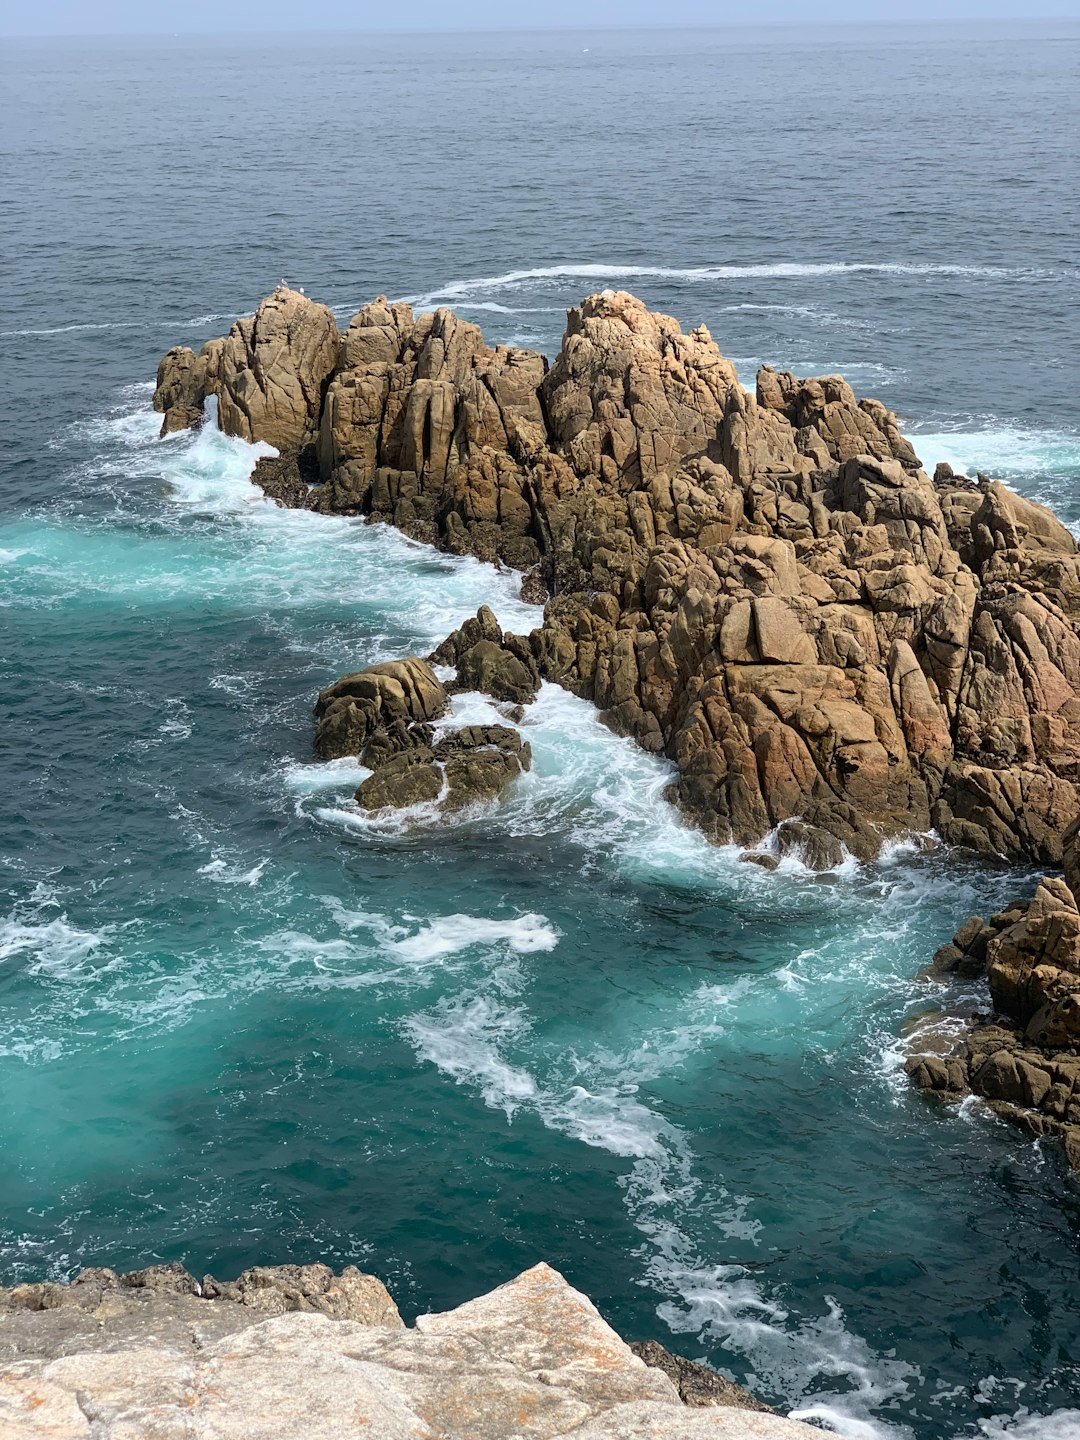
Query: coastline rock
1024, 1059
766, 588
181, 389
531, 1359
270, 371
466, 766
385, 715
269, 374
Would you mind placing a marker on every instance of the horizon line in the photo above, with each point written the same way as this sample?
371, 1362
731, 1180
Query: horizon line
937, 22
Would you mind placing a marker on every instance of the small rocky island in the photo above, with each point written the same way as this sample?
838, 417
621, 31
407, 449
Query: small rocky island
298, 1352
833, 648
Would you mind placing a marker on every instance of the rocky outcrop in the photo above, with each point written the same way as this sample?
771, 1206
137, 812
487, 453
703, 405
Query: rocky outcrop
385, 715
1024, 1058
766, 588
168, 1356
269, 374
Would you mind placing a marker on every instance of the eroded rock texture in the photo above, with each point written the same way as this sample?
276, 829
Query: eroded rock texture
1025, 1058
764, 587
531, 1359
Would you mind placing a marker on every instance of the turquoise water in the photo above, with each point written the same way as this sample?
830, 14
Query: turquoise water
245, 1024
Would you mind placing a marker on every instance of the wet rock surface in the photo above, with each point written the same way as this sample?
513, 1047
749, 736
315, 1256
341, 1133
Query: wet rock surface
764, 587
297, 1351
1024, 1058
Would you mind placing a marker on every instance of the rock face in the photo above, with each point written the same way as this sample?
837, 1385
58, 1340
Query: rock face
764, 587
531, 1359
1025, 1058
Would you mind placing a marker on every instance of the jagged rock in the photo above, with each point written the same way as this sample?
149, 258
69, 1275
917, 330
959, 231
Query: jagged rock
411, 778
288, 478
270, 371
480, 761
764, 587
468, 765
630, 395
531, 1359
486, 659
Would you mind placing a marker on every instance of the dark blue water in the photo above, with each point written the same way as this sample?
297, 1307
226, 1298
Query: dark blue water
244, 1025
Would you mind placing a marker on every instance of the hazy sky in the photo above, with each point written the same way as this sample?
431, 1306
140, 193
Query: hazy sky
59, 17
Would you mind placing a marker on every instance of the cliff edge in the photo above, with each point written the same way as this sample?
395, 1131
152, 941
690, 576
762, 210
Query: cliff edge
299, 1352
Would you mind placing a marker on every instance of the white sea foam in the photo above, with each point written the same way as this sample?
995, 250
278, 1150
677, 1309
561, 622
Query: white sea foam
224, 872
52, 948
462, 1038
1023, 1425
1009, 450
450, 934
68, 329
725, 1304
194, 323
318, 776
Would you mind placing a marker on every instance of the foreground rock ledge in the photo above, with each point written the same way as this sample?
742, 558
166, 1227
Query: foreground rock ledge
830, 645
158, 1354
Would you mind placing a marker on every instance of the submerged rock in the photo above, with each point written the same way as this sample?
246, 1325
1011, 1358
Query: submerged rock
766, 588
201, 1362
384, 715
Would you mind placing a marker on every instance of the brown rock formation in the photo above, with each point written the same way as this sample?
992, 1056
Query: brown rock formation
269, 373
1025, 1058
765, 588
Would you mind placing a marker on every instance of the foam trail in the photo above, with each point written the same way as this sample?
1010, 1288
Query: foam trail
782, 270
451, 934
53, 948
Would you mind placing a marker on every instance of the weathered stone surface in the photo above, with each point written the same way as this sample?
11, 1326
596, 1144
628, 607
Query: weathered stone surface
532, 1359
270, 371
765, 588
181, 389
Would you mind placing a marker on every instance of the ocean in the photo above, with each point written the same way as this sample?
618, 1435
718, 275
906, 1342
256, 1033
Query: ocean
244, 1024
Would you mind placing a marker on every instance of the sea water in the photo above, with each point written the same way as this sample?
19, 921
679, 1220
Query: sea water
245, 1023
